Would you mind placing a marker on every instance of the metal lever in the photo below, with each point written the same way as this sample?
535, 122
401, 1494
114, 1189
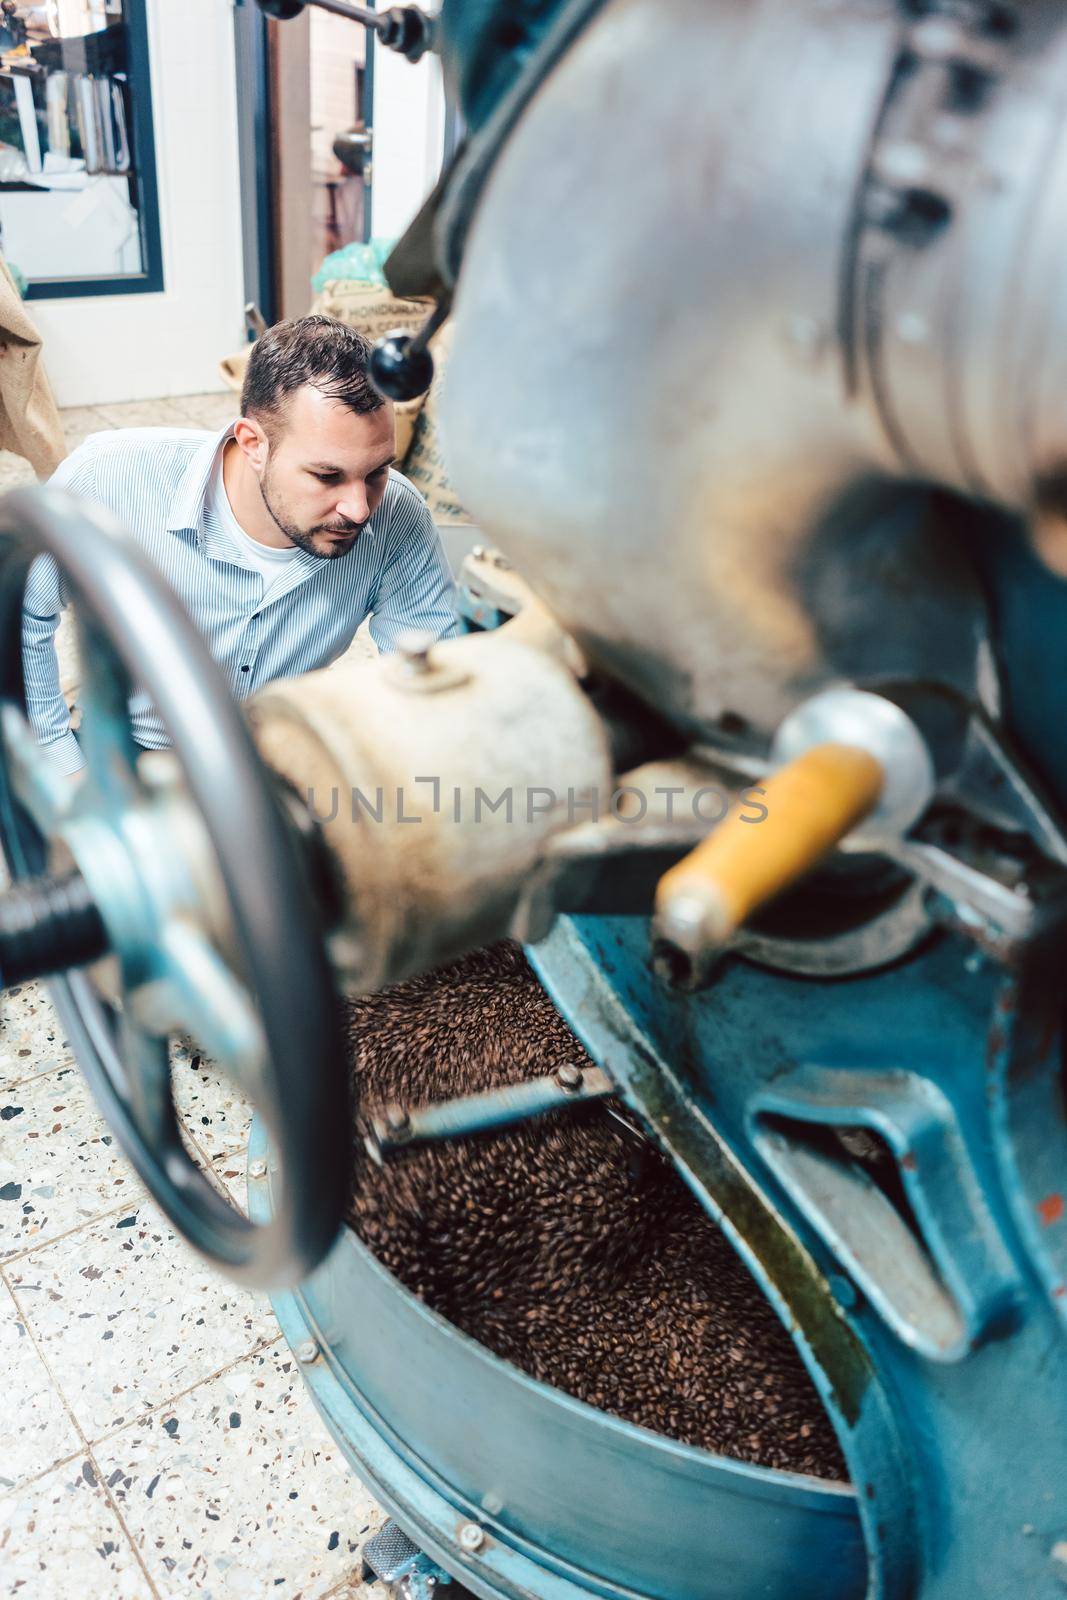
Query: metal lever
851, 765
398, 1127
811, 805
405, 29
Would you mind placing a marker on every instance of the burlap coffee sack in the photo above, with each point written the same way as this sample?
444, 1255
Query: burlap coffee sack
424, 463
370, 308
374, 311
232, 369
29, 421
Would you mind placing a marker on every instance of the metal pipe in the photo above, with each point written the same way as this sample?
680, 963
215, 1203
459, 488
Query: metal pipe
482, 1113
406, 29
363, 14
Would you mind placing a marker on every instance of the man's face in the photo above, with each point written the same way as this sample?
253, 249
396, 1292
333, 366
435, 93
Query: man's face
326, 471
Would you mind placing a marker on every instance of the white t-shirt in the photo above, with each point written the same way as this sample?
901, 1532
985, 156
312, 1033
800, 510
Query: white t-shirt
267, 560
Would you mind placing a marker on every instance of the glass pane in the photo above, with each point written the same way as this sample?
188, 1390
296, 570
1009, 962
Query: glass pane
77, 196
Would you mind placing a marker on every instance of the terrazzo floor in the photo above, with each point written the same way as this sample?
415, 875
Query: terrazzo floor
156, 1439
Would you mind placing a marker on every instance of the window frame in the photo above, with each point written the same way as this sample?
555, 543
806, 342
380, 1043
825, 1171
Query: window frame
151, 279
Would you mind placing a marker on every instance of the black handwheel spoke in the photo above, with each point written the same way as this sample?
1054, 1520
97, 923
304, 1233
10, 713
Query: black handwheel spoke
198, 880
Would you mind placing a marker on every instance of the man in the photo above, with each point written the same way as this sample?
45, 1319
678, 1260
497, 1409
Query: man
279, 535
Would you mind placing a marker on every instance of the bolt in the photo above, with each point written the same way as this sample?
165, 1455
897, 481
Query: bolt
257, 1169
500, 560
882, 207
479, 552
903, 165
471, 1537
912, 328
396, 1119
940, 39
569, 1077
843, 1290
953, 40
415, 646
307, 1352
806, 337
157, 769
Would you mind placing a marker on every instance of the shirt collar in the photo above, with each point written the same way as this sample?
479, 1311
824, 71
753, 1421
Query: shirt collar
185, 514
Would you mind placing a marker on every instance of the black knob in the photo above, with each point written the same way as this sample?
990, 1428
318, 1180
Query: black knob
408, 31
281, 10
48, 925
400, 367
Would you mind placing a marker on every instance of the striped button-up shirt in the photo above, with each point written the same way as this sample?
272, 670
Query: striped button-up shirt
158, 481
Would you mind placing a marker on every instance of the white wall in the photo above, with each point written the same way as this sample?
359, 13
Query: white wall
134, 347
409, 125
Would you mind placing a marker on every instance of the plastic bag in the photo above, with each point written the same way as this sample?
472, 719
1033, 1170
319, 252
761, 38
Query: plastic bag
358, 263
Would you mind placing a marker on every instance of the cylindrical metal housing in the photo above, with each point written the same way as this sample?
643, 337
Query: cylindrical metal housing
436, 783
701, 382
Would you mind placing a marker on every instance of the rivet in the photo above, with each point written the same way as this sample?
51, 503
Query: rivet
903, 165
569, 1077
805, 333
912, 328
950, 42
843, 1290
939, 39
257, 1169
471, 1537
414, 646
157, 769
882, 207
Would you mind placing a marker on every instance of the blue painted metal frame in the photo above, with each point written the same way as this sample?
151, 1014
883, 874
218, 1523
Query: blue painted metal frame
150, 280
959, 1452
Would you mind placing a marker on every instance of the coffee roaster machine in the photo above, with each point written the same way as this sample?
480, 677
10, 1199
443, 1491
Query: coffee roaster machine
758, 379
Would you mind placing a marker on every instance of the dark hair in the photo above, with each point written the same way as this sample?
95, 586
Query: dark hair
308, 350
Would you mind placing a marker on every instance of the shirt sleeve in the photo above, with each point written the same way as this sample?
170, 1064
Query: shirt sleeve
416, 589
42, 603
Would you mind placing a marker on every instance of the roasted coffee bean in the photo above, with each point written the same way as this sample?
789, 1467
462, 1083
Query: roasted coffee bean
549, 1245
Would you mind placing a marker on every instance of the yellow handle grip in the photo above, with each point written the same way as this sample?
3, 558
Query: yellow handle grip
811, 804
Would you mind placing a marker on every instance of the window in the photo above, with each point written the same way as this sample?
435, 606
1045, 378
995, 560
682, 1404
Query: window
78, 202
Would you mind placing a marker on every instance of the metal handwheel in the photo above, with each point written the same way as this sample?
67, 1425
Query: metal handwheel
177, 874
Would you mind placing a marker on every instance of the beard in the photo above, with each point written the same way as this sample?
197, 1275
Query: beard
317, 540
